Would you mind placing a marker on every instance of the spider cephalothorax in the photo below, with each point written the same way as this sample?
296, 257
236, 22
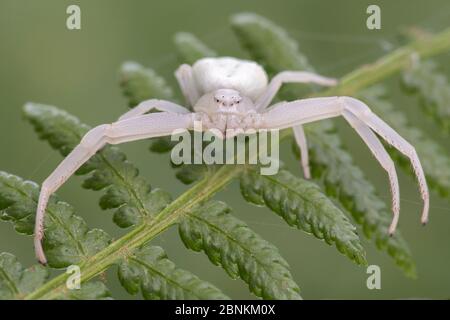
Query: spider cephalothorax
228, 93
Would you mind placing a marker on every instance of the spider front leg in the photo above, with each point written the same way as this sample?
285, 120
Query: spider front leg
277, 81
136, 128
275, 84
289, 114
149, 105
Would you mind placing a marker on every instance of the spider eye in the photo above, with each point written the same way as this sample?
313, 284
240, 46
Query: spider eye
217, 100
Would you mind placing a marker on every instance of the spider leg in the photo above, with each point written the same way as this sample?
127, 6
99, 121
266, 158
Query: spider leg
300, 139
148, 105
185, 78
289, 114
362, 111
380, 153
272, 89
289, 77
143, 127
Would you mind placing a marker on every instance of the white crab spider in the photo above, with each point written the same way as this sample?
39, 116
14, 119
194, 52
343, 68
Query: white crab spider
228, 93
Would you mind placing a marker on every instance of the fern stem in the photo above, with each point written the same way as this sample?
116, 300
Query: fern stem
212, 183
390, 64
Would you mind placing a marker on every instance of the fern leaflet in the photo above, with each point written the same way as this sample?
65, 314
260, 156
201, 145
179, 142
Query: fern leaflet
149, 271
230, 243
302, 205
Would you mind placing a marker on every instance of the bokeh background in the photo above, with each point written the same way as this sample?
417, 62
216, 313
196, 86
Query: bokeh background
42, 61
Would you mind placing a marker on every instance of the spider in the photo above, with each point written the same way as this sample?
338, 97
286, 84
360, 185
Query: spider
229, 93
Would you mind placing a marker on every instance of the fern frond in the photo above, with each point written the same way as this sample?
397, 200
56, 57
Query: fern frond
231, 244
302, 205
434, 158
330, 163
150, 271
126, 191
16, 282
67, 239
433, 89
190, 48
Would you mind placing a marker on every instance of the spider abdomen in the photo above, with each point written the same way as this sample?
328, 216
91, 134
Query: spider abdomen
247, 77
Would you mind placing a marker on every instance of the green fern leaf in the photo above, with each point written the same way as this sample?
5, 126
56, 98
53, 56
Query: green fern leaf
67, 238
330, 163
16, 282
434, 158
190, 48
126, 191
230, 243
302, 205
150, 271
434, 91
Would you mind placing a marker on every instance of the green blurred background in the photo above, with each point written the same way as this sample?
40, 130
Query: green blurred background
44, 62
